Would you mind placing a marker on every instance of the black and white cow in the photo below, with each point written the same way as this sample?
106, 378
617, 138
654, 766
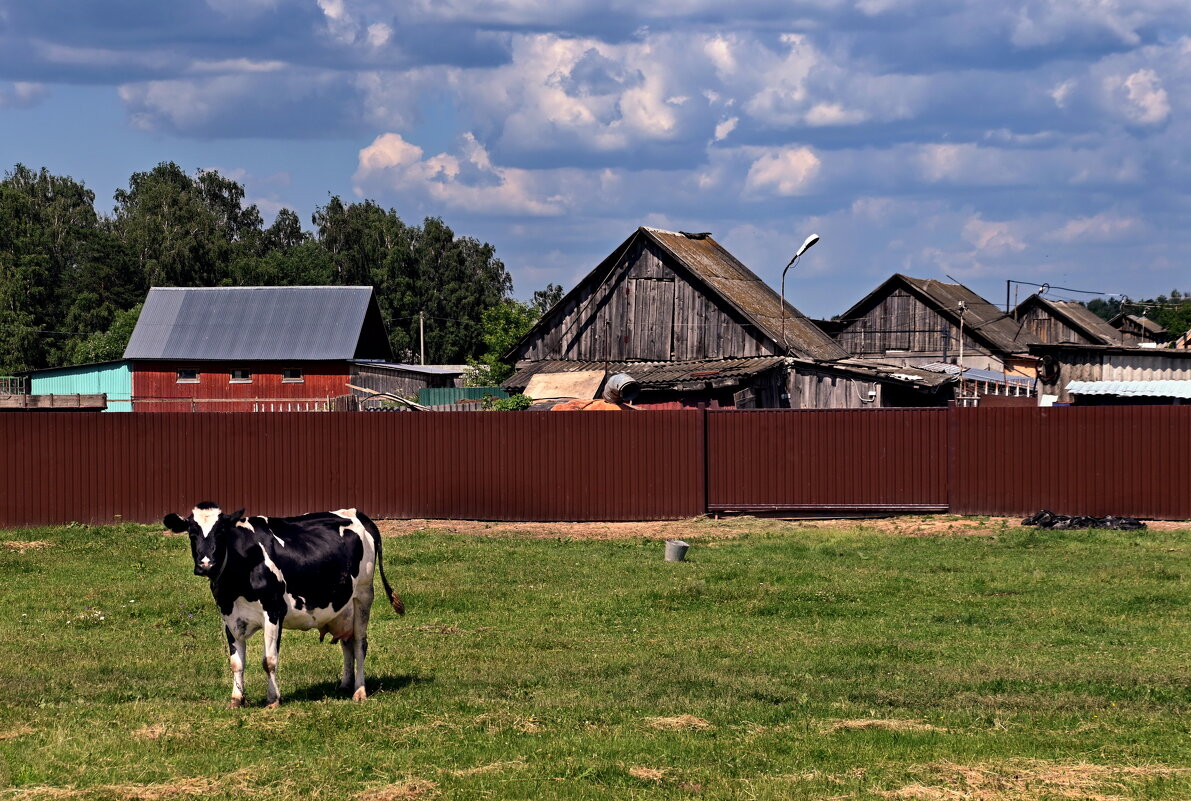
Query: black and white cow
308, 572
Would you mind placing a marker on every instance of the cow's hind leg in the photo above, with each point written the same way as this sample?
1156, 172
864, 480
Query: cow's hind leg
359, 643
237, 651
272, 632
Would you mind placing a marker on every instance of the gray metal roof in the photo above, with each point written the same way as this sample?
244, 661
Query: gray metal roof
1132, 389
301, 323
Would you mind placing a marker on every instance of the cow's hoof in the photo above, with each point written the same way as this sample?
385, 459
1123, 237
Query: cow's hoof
273, 704
359, 694
235, 703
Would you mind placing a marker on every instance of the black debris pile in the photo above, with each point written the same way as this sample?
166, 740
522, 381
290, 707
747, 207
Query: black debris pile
1048, 519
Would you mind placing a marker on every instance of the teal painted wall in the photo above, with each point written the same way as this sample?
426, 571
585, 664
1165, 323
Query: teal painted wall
440, 396
113, 380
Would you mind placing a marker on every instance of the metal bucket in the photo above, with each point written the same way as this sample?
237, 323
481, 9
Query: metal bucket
676, 550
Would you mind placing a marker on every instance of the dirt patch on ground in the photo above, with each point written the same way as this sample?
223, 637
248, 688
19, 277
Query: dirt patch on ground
237, 784
12, 734
647, 774
1025, 780
724, 528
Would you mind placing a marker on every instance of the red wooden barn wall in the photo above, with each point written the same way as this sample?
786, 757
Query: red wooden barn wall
155, 386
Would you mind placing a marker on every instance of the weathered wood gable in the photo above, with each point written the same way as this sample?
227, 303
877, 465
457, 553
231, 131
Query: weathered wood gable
643, 305
899, 321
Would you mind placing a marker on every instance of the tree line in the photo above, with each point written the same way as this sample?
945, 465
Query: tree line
72, 279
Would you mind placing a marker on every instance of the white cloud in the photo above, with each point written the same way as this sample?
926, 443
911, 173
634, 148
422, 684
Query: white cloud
993, 238
726, 127
1147, 100
784, 172
22, 94
469, 182
1098, 229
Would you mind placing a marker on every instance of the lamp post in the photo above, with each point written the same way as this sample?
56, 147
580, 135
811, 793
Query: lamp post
807, 245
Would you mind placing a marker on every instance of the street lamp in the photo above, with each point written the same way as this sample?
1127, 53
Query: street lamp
807, 245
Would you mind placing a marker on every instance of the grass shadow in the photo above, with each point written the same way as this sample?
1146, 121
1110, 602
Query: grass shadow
376, 685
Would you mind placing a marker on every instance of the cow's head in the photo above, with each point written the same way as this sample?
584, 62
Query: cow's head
209, 529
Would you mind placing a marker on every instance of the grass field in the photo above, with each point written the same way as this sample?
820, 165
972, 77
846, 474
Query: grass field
780, 662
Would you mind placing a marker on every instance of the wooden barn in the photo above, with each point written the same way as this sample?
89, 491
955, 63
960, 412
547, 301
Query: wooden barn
918, 321
693, 325
1056, 322
1138, 330
263, 349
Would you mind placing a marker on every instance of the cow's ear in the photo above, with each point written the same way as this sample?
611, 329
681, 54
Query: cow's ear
175, 523
236, 516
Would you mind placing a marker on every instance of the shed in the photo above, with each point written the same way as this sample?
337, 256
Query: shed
1154, 373
112, 379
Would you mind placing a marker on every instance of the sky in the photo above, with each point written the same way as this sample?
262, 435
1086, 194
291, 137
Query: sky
1040, 141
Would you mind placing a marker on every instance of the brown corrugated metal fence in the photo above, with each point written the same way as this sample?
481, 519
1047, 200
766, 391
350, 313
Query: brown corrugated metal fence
886, 459
91, 467
472, 465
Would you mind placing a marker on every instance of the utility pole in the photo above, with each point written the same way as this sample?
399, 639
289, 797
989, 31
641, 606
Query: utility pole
422, 337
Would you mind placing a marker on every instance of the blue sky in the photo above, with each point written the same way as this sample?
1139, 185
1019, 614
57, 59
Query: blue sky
1033, 140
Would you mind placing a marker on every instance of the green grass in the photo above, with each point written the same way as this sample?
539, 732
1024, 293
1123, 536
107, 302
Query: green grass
826, 663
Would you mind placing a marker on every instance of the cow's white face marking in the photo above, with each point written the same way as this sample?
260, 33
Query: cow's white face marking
206, 519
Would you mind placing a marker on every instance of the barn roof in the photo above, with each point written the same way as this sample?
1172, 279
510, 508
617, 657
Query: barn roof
300, 323
747, 293
1077, 316
981, 319
722, 276
653, 375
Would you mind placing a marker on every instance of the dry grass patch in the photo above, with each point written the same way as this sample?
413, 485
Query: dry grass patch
1028, 780
494, 767
400, 791
154, 732
647, 774
12, 734
197, 787
868, 724
21, 547
679, 723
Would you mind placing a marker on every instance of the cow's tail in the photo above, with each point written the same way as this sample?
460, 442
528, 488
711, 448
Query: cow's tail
394, 598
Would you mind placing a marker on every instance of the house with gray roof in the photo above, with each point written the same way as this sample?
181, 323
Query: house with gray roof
693, 325
297, 348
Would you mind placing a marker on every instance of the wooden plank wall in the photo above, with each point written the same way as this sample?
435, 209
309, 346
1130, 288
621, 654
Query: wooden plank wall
647, 308
1044, 325
901, 322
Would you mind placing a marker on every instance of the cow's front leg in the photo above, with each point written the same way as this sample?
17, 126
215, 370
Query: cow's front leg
237, 651
272, 632
349, 664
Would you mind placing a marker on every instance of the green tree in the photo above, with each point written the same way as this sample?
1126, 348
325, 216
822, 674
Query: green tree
504, 324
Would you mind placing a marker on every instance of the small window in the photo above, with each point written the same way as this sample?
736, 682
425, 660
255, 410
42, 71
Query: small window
241, 375
291, 375
188, 377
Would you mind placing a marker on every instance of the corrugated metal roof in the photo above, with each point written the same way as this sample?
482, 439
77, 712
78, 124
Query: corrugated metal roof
425, 369
654, 375
309, 323
1132, 389
747, 293
973, 374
